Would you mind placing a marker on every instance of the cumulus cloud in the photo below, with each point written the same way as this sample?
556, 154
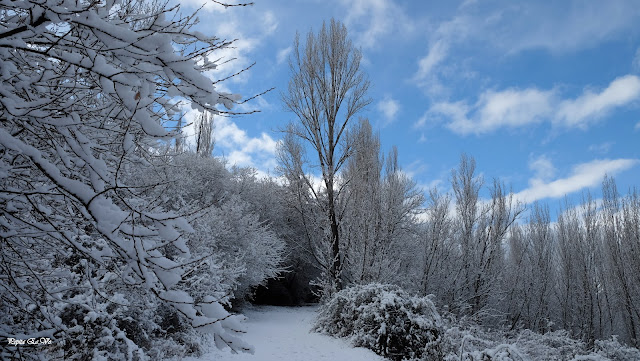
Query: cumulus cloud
517, 108
242, 149
389, 108
235, 144
513, 108
590, 105
456, 113
582, 176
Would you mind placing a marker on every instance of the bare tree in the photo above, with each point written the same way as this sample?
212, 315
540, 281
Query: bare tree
529, 277
466, 188
204, 134
438, 245
326, 90
363, 221
484, 226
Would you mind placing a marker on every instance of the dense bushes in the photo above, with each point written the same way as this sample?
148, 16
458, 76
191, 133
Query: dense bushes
385, 319
466, 340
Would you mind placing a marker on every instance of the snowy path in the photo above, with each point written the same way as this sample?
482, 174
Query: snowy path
282, 334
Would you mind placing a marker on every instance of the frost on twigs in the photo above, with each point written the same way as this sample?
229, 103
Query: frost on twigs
385, 319
86, 89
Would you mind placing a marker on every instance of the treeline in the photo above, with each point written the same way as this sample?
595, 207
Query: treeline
363, 219
481, 258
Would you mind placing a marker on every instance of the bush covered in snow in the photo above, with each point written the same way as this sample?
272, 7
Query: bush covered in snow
465, 340
385, 319
502, 352
612, 349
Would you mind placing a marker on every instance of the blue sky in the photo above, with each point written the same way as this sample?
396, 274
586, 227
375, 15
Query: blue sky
545, 95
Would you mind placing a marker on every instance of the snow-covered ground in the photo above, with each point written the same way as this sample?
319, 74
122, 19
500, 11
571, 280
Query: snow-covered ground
283, 334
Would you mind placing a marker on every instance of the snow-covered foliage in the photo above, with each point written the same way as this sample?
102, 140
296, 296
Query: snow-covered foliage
379, 221
384, 319
503, 352
85, 91
239, 250
466, 340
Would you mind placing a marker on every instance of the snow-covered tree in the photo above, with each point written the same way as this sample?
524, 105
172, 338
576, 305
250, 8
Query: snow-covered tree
529, 277
482, 227
380, 203
85, 93
204, 134
437, 261
326, 90
238, 248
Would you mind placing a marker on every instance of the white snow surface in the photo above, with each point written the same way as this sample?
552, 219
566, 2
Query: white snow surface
284, 334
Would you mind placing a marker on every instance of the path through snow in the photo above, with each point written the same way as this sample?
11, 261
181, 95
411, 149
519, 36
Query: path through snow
283, 334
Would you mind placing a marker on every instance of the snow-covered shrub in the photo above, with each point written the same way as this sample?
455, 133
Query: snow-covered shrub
502, 352
385, 319
460, 337
557, 345
465, 340
615, 351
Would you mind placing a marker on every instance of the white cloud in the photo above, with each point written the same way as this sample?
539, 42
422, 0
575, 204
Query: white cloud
437, 53
389, 109
582, 176
456, 112
283, 54
235, 144
558, 27
422, 121
434, 74
517, 108
602, 148
542, 167
590, 105
372, 19
269, 22
637, 127
249, 27
415, 168
206, 5
506, 27
513, 108
569, 26
229, 136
